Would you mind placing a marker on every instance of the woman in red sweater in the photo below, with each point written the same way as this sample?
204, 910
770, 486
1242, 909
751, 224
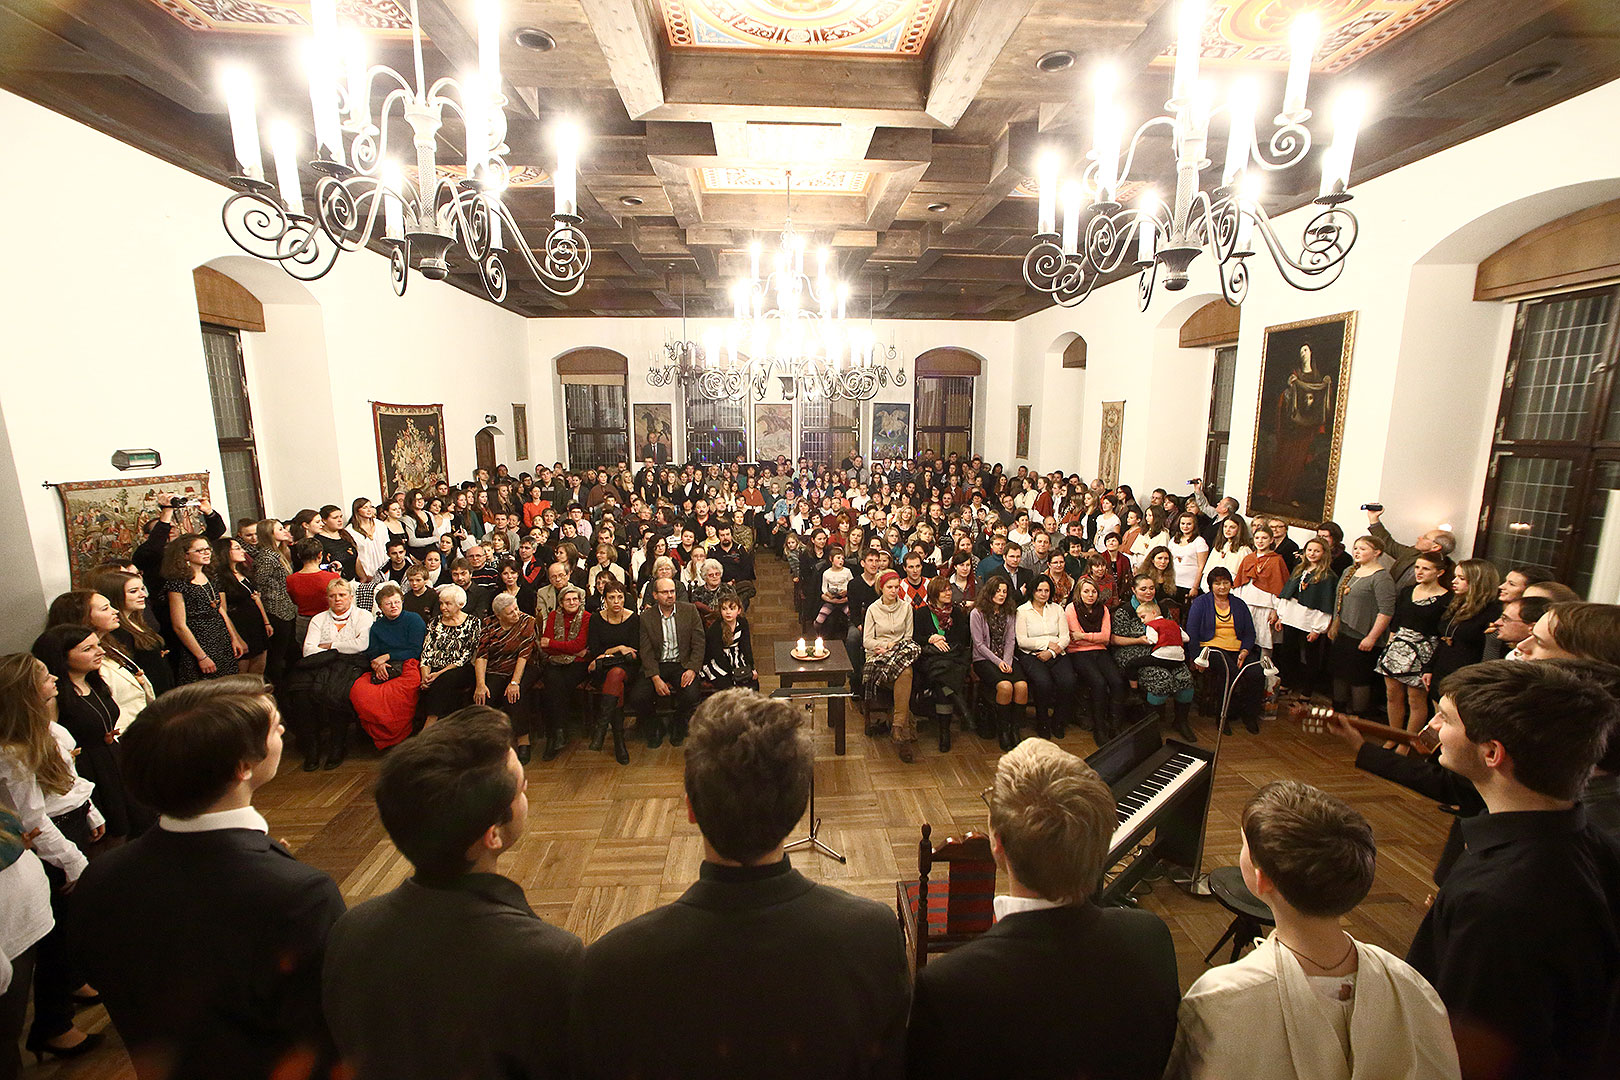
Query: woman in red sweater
563, 648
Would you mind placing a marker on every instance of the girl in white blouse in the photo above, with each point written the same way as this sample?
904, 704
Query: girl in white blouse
1043, 641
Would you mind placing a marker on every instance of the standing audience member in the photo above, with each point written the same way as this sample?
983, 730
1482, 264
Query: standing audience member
231, 569
135, 637
681, 991
1303, 615
1414, 633
306, 586
496, 978
125, 679
205, 936
272, 562
1463, 632
86, 708
1310, 1000
1362, 613
50, 802
1058, 987
25, 920
1400, 558
209, 644
1523, 939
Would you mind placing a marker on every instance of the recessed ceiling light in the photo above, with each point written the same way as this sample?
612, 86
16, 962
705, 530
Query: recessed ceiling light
630, 200
938, 207
532, 37
1058, 60
1534, 74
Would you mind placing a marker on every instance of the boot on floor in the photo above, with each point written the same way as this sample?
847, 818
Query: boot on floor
604, 713
945, 732
1011, 719
337, 746
1183, 727
621, 753
554, 739
677, 731
655, 732
314, 743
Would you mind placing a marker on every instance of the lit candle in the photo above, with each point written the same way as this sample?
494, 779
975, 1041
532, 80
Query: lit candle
754, 252
1302, 39
495, 237
393, 182
1240, 108
843, 299
238, 85
284, 146
1147, 228
1046, 175
1248, 207
489, 43
1107, 126
819, 647
801, 645
1189, 43
1072, 195
566, 136
474, 108
739, 299
1347, 114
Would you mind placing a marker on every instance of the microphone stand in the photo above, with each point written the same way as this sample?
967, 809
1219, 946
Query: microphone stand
1198, 884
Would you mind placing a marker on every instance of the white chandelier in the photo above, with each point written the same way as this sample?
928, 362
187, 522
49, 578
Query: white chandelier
423, 218
1066, 266
787, 324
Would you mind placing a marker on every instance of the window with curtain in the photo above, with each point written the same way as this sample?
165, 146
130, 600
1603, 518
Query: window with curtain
829, 431
233, 421
1219, 438
1554, 482
945, 414
716, 431
598, 424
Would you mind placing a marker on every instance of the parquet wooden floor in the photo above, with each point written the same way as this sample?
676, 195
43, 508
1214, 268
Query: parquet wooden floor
606, 843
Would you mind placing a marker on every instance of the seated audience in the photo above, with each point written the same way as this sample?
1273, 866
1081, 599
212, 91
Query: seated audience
562, 659
502, 663
671, 654
1221, 625
728, 646
1058, 987
682, 990
335, 647
483, 988
204, 936
447, 657
385, 698
1310, 1000
944, 635
1043, 642
995, 639
890, 645
611, 643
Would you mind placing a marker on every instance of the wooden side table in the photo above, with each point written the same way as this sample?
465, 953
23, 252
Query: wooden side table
832, 671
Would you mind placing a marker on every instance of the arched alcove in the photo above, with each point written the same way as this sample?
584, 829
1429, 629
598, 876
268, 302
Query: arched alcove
593, 405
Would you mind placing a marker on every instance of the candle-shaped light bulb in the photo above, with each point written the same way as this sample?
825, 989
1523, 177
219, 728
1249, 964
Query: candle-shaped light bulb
739, 298
238, 86
566, 137
1046, 176
352, 48
1248, 207
1189, 44
1240, 109
489, 43
284, 147
393, 182
1348, 111
320, 60
1302, 38
1073, 194
1147, 228
475, 115
495, 237
843, 299
1107, 127
755, 250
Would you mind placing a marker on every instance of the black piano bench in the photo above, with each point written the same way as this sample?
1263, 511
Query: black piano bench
1249, 915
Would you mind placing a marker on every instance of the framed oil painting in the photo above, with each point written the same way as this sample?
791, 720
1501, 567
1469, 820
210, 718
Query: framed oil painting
520, 430
891, 430
1113, 437
410, 446
106, 519
654, 424
1299, 422
773, 432
1021, 449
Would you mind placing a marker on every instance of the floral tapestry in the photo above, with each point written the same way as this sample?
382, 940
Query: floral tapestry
410, 446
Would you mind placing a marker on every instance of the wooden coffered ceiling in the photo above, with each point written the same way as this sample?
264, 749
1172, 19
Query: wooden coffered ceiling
910, 126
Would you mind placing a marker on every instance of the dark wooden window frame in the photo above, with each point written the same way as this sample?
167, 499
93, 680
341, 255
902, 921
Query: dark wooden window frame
575, 428
925, 436
1219, 435
235, 444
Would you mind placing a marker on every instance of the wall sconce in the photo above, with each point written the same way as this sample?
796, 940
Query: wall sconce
125, 460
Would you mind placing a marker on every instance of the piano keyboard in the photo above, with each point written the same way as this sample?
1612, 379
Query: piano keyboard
1138, 806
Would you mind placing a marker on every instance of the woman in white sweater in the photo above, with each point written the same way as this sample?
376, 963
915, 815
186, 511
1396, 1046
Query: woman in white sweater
1043, 638
343, 627
890, 652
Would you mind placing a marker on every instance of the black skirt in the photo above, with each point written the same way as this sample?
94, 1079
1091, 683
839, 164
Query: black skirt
1348, 662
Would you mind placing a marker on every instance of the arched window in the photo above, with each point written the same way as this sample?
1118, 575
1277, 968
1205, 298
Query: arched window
944, 396
595, 406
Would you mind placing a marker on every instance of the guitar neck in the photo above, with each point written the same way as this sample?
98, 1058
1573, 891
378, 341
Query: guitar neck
1381, 731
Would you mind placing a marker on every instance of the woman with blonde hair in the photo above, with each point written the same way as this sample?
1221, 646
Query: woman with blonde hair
53, 803
133, 637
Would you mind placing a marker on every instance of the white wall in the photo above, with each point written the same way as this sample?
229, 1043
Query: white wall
1426, 370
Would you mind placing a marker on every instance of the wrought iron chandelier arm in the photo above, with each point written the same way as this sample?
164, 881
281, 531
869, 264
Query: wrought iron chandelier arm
262, 227
1136, 142
347, 209
565, 258
1287, 147
369, 147
1326, 242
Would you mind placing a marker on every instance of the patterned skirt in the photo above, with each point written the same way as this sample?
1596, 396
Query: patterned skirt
1406, 655
883, 669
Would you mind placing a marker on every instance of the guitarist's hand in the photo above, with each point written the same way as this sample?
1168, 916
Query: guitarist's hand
1337, 725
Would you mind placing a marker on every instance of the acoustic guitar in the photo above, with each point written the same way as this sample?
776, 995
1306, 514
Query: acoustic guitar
1313, 721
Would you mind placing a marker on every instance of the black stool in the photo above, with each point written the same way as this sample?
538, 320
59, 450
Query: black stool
1249, 915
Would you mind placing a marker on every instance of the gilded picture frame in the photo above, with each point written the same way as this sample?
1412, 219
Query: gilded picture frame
1299, 419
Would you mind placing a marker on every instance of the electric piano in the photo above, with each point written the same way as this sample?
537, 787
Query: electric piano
1160, 787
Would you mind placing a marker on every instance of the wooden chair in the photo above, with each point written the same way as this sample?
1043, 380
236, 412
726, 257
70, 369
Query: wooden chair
937, 916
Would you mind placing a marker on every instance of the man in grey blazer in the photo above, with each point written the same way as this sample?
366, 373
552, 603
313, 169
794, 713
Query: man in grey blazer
671, 654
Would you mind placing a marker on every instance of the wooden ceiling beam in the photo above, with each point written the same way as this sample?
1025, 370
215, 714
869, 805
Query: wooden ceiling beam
684, 197
889, 192
1008, 160
792, 88
630, 43
451, 37
973, 35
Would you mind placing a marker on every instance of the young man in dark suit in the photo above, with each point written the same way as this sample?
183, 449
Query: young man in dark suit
205, 936
452, 973
672, 646
756, 970
1058, 987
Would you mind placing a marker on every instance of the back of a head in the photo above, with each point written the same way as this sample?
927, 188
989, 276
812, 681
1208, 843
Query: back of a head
185, 750
748, 764
1553, 717
1054, 817
1588, 630
440, 791
1316, 849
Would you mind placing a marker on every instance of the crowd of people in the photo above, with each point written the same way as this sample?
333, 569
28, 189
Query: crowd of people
452, 626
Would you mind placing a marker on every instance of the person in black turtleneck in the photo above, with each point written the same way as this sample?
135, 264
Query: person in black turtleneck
724, 981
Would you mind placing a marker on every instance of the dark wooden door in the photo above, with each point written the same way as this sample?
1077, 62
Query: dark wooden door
484, 447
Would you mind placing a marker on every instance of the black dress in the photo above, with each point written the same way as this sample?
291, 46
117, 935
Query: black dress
240, 605
91, 719
602, 635
1461, 644
207, 625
